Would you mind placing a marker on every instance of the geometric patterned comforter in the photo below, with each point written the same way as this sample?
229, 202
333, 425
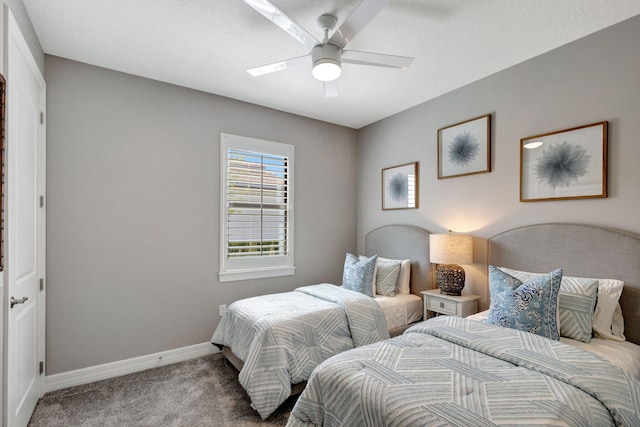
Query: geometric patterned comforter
453, 371
282, 337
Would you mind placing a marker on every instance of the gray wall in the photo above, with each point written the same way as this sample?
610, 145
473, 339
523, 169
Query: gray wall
591, 80
133, 211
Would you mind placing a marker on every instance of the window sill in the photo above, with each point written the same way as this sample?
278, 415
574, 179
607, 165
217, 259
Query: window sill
259, 273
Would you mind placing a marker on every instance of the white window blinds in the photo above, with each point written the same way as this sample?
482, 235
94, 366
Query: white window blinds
257, 211
256, 208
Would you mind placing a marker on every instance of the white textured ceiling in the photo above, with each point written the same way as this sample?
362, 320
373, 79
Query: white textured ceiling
208, 45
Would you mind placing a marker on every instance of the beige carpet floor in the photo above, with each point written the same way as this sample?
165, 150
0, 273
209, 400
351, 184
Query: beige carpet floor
198, 392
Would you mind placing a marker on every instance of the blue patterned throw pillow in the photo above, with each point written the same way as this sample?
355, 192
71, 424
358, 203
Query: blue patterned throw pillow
576, 303
530, 306
359, 275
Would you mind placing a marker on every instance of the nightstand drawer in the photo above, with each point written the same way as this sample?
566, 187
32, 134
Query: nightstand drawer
442, 306
436, 303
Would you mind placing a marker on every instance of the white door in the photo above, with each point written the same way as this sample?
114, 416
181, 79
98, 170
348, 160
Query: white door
25, 231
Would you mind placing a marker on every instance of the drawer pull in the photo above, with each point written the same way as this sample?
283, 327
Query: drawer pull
441, 305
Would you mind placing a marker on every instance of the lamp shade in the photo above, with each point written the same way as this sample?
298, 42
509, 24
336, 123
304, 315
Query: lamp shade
450, 249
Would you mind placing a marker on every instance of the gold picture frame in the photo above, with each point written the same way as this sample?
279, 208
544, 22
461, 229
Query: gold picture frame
465, 148
400, 187
565, 164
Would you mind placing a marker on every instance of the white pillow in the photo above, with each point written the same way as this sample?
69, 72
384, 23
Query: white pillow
404, 278
617, 324
608, 322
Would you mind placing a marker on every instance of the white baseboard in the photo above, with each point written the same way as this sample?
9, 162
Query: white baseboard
128, 366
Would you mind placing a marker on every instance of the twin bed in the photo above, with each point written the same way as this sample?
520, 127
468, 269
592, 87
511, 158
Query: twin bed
276, 340
451, 371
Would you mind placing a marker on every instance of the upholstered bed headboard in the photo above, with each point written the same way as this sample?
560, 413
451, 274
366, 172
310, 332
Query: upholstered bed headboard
403, 242
580, 250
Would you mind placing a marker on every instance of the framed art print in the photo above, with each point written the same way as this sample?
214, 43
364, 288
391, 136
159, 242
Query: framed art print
400, 187
465, 148
566, 164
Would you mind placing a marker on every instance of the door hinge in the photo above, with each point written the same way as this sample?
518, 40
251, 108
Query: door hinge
42, 201
41, 117
42, 284
41, 367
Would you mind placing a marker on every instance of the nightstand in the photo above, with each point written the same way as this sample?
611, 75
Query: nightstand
461, 306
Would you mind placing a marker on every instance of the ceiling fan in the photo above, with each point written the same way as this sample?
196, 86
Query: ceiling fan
328, 55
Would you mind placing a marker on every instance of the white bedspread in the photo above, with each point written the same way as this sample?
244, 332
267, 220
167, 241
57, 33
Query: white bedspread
624, 354
452, 371
282, 337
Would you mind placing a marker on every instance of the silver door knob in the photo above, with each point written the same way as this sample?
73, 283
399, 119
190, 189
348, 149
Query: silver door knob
18, 301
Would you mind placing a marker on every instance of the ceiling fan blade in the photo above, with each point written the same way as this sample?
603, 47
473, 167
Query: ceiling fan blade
358, 19
376, 59
279, 66
278, 17
330, 89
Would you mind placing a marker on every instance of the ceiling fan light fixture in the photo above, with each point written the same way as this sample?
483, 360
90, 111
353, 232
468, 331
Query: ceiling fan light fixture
327, 62
326, 70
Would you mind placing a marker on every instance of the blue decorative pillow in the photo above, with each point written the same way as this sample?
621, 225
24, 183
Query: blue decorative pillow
531, 306
359, 275
576, 304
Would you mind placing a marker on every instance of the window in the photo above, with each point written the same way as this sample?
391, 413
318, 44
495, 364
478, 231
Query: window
256, 202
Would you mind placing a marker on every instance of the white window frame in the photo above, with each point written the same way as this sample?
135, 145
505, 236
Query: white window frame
232, 269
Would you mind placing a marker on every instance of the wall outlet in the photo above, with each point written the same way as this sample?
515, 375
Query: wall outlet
222, 309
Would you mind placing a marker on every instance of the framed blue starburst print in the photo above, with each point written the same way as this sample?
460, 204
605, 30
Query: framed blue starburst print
566, 164
400, 187
465, 148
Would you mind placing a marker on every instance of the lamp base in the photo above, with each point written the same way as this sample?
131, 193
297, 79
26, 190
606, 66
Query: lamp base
450, 279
